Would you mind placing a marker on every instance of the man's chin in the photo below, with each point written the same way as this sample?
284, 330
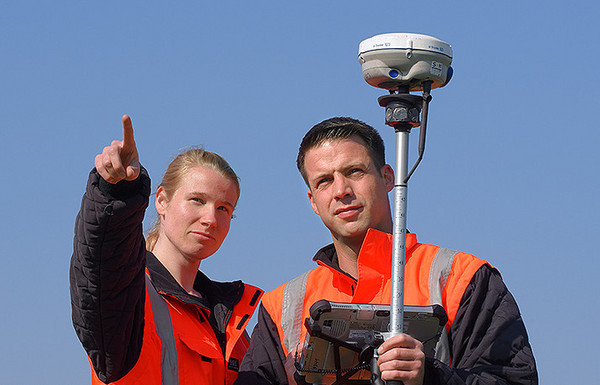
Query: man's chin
353, 235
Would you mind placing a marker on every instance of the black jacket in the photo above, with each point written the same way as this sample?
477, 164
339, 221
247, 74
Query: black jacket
488, 341
107, 277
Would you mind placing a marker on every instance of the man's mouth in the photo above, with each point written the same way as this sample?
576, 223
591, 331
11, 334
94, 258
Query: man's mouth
347, 211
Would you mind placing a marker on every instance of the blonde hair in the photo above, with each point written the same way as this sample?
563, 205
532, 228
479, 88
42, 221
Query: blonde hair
176, 171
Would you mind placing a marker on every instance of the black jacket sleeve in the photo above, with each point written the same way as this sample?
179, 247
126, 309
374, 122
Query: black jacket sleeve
488, 340
264, 362
107, 273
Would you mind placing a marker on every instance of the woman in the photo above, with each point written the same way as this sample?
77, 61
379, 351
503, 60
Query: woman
149, 316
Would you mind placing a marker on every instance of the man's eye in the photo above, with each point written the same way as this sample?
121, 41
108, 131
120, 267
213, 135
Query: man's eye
198, 200
322, 182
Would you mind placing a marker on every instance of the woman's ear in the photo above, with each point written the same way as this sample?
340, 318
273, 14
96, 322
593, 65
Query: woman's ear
161, 202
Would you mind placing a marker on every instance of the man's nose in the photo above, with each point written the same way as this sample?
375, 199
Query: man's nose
341, 187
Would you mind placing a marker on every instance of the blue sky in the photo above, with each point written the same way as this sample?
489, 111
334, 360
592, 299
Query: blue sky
510, 172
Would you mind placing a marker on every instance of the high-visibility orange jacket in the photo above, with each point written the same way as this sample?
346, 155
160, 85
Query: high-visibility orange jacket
187, 350
374, 281
486, 337
136, 323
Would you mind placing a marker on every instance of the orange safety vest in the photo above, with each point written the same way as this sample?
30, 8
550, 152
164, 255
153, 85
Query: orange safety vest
180, 347
432, 275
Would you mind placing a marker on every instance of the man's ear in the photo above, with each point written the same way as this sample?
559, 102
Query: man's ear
387, 172
161, 201
312, 202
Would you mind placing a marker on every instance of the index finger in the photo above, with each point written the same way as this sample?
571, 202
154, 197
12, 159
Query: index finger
128, 139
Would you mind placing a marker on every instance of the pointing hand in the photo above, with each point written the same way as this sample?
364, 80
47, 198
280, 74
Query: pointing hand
120, 160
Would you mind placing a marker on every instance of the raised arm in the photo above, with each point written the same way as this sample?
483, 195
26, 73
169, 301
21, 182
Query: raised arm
107, 266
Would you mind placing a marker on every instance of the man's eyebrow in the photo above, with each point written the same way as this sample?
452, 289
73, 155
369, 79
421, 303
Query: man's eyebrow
344, 168
319, 176
314, 180
357, 165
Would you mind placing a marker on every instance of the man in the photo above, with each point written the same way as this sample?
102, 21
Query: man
342, 161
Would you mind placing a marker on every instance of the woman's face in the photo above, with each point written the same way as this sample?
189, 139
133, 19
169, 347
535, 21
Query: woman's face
195, 221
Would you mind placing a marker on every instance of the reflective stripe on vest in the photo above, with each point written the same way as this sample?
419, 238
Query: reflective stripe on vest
291, 310
293, 302
164, 329
438, 277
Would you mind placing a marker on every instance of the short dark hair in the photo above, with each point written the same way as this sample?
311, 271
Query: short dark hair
342, 128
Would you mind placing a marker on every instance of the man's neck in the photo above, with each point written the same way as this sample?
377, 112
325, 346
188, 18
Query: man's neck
347, 254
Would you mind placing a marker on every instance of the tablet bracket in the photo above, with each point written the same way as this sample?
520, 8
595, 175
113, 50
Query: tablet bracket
366, 354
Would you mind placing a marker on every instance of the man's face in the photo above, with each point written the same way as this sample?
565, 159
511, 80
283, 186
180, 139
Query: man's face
347, 190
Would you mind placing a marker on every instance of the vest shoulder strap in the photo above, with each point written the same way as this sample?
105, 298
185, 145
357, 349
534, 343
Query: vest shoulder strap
291, 310
439, 272
438, 277
164, 329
